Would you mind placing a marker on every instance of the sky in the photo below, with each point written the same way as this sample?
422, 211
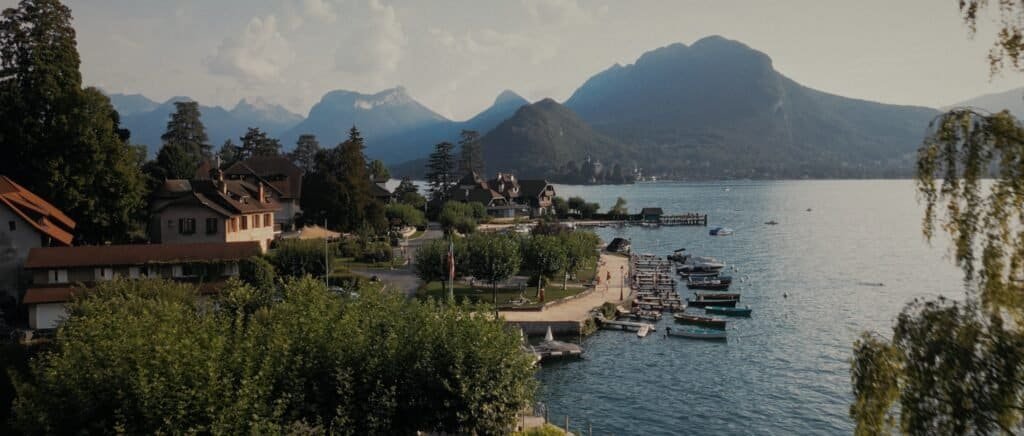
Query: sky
456, 56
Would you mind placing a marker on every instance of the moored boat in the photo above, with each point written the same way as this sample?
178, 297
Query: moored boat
697, 333
728, 310
698, 264
705, 303
717, 295
703, 321
720, 231
711, 284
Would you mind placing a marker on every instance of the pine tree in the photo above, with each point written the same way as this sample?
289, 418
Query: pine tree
471, 156
63, 142
257, 143
304, 155
441, 171
228, 153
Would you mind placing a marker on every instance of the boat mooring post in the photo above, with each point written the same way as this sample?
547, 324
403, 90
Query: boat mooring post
567, 423
622, 284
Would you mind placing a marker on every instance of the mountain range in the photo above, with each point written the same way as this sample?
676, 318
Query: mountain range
714, 109
1012, 100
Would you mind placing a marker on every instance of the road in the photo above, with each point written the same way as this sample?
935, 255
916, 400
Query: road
404, 279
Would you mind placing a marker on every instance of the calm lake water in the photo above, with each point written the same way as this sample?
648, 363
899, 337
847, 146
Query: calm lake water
786, 369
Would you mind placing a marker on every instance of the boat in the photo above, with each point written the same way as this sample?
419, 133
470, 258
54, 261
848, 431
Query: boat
717, 295
771, 223
728, 310
720, 231
618, 245
711, 284
703, 321
697, 333
648, 315
699, 264
705, 303
549, 348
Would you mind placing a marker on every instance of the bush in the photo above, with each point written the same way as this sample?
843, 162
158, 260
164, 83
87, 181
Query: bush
377, 252
257, 271
349, 247
462, 217
148, 357
400, 215
296, 258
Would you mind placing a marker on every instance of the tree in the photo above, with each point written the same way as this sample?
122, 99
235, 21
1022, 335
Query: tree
63, 142
297, 258
185, 141
407, 193
561, 207
462, 217
1008, 47
255, 142
441, 172
432, 260
149, 357
954, 367
576, 204
339, 189
493, 258
304, 155
544, 256
228, 153
378, 171
588, 210
580, 252
619, 209
471, 158
400, 215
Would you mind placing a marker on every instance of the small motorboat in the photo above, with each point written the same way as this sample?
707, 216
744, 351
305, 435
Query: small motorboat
771, 223
720, 231
649, 315
709, 283
728, 310
698, 264
705, 303
696, 333
717, 295
618, 245
703, 321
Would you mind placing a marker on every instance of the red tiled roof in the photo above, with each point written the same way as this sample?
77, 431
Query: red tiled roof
121, 255
42, 215
271, 169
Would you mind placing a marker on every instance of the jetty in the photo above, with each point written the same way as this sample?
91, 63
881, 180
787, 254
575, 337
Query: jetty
609, 324
686, 219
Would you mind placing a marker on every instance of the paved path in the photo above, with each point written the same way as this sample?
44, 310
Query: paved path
579, 309
404, 279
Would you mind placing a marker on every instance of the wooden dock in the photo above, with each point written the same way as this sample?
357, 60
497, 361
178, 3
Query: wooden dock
624, 325
686, 219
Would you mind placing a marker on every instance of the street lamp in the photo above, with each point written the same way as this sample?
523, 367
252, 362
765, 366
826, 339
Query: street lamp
622, 284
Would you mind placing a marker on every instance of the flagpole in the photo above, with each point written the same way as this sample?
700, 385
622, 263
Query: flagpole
451, 269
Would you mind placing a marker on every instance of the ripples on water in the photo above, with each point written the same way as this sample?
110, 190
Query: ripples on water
785, 370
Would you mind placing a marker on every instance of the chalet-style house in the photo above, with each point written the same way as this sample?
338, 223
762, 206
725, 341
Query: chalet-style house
282, 177
380, 192
505, 196
29, 222
57, 273
213, 210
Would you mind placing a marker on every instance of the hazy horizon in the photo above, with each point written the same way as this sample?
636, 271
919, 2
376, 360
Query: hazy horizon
456, 58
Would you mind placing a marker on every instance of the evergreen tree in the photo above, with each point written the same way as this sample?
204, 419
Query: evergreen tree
185, 129
378, 171
228, 153
471, 156
63, 142
304, 155
441, 171
339, 189
257, 143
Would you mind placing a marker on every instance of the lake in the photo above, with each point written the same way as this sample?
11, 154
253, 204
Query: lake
812, 281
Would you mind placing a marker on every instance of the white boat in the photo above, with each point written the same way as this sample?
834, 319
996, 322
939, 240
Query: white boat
699, 264
720, 231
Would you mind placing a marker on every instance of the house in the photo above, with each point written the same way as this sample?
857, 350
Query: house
280, 175
28, 222
380, 192
58, 273
213, 210
651, 214
505, 196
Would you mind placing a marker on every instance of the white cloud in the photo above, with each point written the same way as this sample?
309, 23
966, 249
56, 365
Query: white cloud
260, 53
561, 12
319, 9
375, 45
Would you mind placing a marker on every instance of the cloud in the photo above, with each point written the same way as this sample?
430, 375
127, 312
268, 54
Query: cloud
376, 44
319, 9
259, 54
560, 12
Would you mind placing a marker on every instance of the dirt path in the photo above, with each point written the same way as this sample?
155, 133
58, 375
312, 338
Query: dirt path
579, 308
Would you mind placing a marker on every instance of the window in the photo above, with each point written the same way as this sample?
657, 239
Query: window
211, 226
188, 270
245, 222
230, 269
256, 221
11, 225
267, 221
58, 276
234, 224
170, 224
102, 274
186, 226
142, 272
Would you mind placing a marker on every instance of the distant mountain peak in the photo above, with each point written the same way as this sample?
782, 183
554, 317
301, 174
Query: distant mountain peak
396, 96
509, 96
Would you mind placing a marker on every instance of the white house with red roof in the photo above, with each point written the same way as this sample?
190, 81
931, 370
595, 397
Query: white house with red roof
26, 222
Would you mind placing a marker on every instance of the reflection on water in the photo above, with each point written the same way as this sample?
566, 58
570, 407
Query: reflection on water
849, 264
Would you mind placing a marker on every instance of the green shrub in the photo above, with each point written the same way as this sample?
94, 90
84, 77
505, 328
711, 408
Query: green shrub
296, 258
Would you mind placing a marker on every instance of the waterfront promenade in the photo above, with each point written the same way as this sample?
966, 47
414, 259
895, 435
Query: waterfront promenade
568, 316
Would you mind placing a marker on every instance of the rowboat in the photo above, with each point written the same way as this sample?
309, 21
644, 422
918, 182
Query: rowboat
708, 284
728, 310
705, 303
702, 321
697, 333
717, 295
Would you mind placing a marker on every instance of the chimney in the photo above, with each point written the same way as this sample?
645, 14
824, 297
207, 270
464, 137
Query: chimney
223, 185
262, 195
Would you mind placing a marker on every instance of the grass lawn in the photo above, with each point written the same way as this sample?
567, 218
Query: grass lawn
483, 293
345, 263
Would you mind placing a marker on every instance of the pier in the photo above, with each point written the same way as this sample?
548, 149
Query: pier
687, 219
